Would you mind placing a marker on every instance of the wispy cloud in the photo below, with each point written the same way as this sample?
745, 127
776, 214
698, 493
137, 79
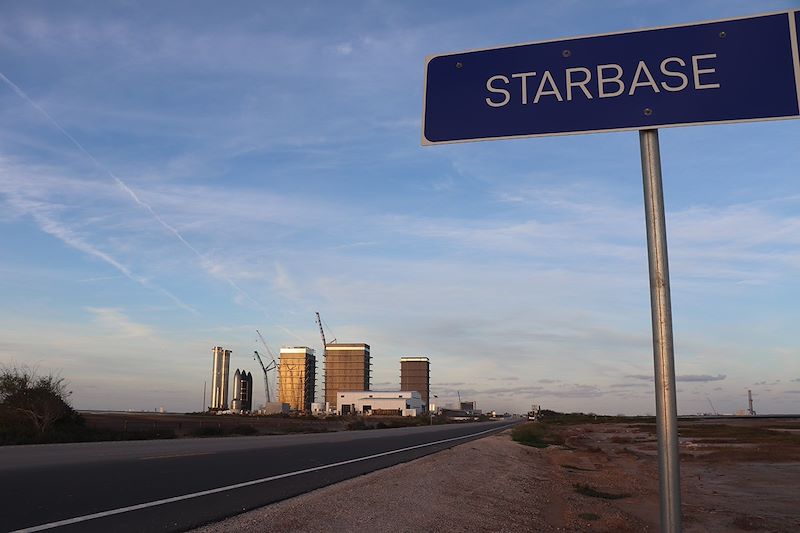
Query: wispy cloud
131, 194
702, 378
344, 49
699, 378
40, 214
98, 278
118, 323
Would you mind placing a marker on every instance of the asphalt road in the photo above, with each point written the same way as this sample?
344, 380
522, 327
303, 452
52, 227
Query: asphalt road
179, 484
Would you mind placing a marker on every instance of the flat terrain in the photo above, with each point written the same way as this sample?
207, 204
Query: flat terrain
737, 475
177, 484
182, 425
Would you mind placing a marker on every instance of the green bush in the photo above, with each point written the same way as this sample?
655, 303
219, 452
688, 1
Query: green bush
536, 434
530, 435
33, 404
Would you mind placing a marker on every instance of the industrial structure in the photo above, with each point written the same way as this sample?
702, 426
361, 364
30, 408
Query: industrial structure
398, 403
220, 376
467, 406
272, 365
415, 375
750, 410
297, 373
347, 368
242, 392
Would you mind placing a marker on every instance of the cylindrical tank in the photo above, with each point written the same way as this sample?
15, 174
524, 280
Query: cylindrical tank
219, 378
236, 403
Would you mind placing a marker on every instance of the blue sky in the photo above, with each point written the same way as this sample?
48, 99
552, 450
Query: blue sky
174, 176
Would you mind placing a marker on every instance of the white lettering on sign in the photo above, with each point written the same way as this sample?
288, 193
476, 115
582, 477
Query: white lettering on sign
641, 68
582, 84
524, 81
491, 89
609, 82
547, 78
697, 71
674, 73
602, 80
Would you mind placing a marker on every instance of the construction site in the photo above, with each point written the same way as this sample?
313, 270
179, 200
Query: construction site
346, 378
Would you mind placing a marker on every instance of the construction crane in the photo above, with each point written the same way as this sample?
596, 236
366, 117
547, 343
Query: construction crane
272, 365
713, 411
322, 331
266, 369
324, 346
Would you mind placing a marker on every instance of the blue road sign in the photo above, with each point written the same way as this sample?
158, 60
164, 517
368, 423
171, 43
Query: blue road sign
711, 72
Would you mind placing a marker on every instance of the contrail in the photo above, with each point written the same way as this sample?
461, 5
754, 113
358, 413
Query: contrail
122, 185
51, 227
293, 334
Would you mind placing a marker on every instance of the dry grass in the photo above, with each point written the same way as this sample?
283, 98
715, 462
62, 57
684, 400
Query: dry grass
622, 439
755, 454
573, 467
537, 435
721, 433
587, 490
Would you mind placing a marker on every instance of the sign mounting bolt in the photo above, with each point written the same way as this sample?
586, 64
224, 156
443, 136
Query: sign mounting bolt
722, 35
566, 53
459, 64
648, 111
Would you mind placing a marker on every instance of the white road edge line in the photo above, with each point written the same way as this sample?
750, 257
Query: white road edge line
164, 501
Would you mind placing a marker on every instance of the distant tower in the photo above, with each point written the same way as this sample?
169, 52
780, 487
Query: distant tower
242, 391
750, 403
415, 375
236, 402
297, 373
247, 393
347, 368
219, 378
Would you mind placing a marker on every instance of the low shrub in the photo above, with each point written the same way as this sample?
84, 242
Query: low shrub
357, 425
208, 431
536, 434
244, 429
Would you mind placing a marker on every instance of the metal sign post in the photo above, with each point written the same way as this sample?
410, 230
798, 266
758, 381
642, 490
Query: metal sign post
663, 355
734, 70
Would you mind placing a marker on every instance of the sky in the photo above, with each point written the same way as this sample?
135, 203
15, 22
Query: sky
176, 175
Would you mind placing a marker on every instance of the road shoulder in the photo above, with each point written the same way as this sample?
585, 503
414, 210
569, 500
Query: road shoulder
490, 484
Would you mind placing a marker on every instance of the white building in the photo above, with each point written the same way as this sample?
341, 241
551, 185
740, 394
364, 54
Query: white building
406, 403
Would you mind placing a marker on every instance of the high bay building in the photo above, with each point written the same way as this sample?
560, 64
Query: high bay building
220, 376
297, 373
415, 375
369, 402
347, 368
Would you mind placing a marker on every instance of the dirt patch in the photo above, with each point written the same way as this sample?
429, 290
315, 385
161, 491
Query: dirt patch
737, 475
